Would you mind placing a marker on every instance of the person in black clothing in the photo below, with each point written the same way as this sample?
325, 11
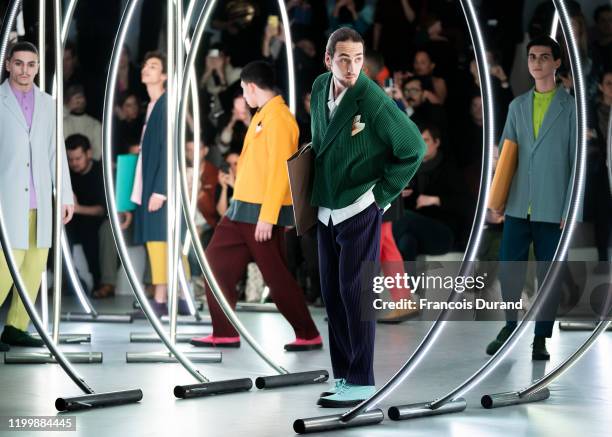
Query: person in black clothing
89, 202
129, 121
436, 204
303, 119
419, 107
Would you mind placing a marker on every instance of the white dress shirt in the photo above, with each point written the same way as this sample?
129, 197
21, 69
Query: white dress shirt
363, 201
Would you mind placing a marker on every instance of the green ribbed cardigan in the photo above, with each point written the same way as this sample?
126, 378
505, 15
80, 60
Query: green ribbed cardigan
386, 153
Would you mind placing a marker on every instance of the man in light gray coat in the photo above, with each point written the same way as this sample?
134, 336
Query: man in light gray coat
27, 177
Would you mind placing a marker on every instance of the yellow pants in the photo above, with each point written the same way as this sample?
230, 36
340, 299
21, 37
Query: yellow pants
31, 264
157, 251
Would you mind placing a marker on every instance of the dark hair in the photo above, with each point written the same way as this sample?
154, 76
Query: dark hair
600, 10
22, 46
156, 54
341, 35
75, 141
376, 58
70, 47
603, 75
260, 73
124, 95
418, 79
73, 90
434, 130
546, 41
423, 50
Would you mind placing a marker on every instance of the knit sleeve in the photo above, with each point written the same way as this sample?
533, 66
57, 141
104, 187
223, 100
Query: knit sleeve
407, 149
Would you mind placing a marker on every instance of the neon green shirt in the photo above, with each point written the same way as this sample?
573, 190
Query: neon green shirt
541, 102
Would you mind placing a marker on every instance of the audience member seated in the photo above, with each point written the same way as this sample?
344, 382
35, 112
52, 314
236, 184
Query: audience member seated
602, 203
374, 67
234, 127
437, 204
500, 85
220, 82
227, 177
207, 205
395, 23
128, 123
128, 76
76, 121
89, 226
467, 148
303, 119
434, 41
421, 107
72, 70
424, 67
602, 44
358, 14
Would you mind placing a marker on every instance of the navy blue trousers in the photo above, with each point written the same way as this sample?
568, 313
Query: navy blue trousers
517, 237
343, 250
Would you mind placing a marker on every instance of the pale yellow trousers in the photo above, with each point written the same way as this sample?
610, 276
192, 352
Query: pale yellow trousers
31, 264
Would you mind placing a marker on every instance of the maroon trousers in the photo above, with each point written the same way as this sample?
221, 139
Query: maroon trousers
231, 248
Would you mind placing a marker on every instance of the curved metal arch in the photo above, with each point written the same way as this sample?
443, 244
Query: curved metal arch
180, 140
561, 12
107, 123
566, 234
477, 227
8, 253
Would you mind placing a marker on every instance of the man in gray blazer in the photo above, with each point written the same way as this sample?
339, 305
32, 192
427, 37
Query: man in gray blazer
27, 177
542, 122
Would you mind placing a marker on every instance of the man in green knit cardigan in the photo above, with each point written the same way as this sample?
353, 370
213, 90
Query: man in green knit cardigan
366, 152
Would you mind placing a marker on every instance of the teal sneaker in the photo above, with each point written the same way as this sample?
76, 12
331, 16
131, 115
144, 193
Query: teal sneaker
348, 395
334, 387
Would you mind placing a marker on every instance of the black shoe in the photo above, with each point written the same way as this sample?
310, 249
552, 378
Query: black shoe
539, 352
501, 339
17, 337
4, 347
183, 308
159, 308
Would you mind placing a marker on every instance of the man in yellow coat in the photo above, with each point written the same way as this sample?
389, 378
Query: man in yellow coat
252, 228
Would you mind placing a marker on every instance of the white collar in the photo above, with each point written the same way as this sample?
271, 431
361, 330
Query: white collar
331, 103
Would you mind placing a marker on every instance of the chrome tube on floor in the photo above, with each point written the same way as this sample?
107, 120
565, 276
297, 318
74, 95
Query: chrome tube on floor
334, 422
579, 326
150, 337
108, 399
47, 358
297, 378
512, 398
212, 388
423, 409
167, 357
100, 318
70, 338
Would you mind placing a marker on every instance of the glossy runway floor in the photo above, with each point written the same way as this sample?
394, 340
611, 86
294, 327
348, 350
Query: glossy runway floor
580, 402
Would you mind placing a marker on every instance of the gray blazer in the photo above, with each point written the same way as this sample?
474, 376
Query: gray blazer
15, 145
543, 178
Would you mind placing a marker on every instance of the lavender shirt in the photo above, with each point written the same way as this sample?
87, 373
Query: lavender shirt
26, 103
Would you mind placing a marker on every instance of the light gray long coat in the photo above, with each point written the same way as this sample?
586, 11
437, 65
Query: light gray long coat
15, 144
